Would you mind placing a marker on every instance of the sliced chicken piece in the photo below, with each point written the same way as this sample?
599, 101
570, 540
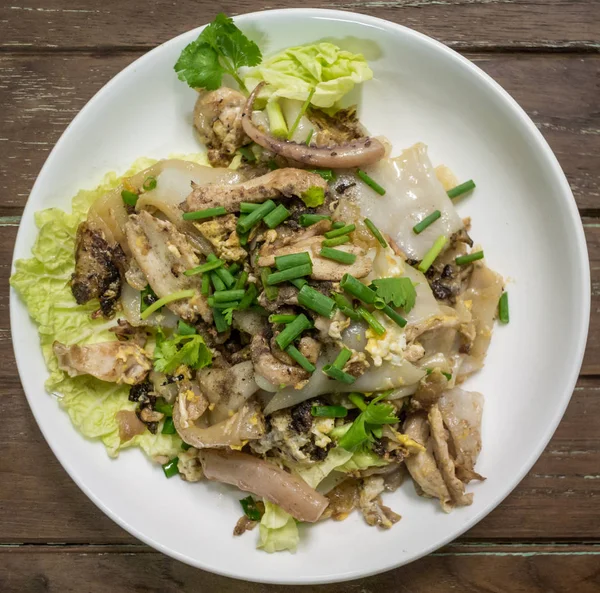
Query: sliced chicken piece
218, 119
266, 480
274, 371
281, 183
446, 465
164, 254
430, 390
129, 425
97, 269
127, 332
373, 510
422, 466
115, 362
287, 295
462, 412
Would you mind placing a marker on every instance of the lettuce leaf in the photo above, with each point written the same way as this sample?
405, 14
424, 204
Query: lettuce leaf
361, 459
314, 474
278, 530
42, 282
324, 67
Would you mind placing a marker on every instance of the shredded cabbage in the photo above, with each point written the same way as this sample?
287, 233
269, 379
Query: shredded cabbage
324, 67
278, 530
43, 283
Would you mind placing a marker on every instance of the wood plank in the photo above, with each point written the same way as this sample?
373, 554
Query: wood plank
42, 94
466, 24
476, 569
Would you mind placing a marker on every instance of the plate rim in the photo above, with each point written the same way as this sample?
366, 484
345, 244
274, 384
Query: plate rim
583, 320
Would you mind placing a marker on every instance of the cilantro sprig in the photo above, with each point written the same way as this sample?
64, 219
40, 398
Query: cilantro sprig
220, 49
397, 291
172, 352
367, 425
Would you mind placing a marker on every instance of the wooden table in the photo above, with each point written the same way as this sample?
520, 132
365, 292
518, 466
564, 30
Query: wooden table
54, 55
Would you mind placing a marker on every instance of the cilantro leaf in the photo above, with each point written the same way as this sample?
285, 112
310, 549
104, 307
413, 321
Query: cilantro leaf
397, 291
367, 425
220, 49
189, 350
228, 315
314, 196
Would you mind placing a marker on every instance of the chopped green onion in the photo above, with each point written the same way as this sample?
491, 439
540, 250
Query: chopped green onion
342, 358
371, 182
206, 213
292, 331
300, 358
247, 153
329, 411
461, 189
335, 242
163, 407
220, 322
345, 306
129, 197
221, 305
312, 299
271, 292
149, 183
175, 296
168, 426
375, 232
289, 274
463, 260
223, 273
222, 296
431, 255
233, 269
428, 220
357, 289
248, 298
310, 219
447, 375
299, 282
247, 207
185, 446
277, 124
250, 509
207, 267
393, 315
309, 137
358, 400
254, 217
338, 375
300, 114
241, 281
281, 318
183, 329
284, 262
277, 216
503, 314
326, 174
370, 319
217, 282
338, 224
340, 231
170, 468
343, 257
272, 165
205, 290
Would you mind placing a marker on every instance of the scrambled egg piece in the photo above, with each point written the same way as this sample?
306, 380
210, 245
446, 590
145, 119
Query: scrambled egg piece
389, 346
222, 236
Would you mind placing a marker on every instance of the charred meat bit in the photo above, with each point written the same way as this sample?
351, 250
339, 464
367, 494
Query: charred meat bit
97, 270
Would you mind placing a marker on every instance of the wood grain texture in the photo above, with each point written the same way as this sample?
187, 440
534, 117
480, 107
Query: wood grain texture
463, 24
457, 568
41, 94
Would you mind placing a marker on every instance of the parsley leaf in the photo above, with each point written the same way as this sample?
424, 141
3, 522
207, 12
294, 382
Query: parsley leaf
220, 49
314, 196
189, 350
367, 425
399, 291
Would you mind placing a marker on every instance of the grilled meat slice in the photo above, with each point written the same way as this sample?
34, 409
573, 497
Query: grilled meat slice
97, 269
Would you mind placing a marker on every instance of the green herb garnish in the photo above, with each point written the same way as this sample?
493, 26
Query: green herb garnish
190, 350
399, 292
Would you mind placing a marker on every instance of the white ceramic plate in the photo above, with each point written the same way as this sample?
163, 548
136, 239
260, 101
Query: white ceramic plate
523, 213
